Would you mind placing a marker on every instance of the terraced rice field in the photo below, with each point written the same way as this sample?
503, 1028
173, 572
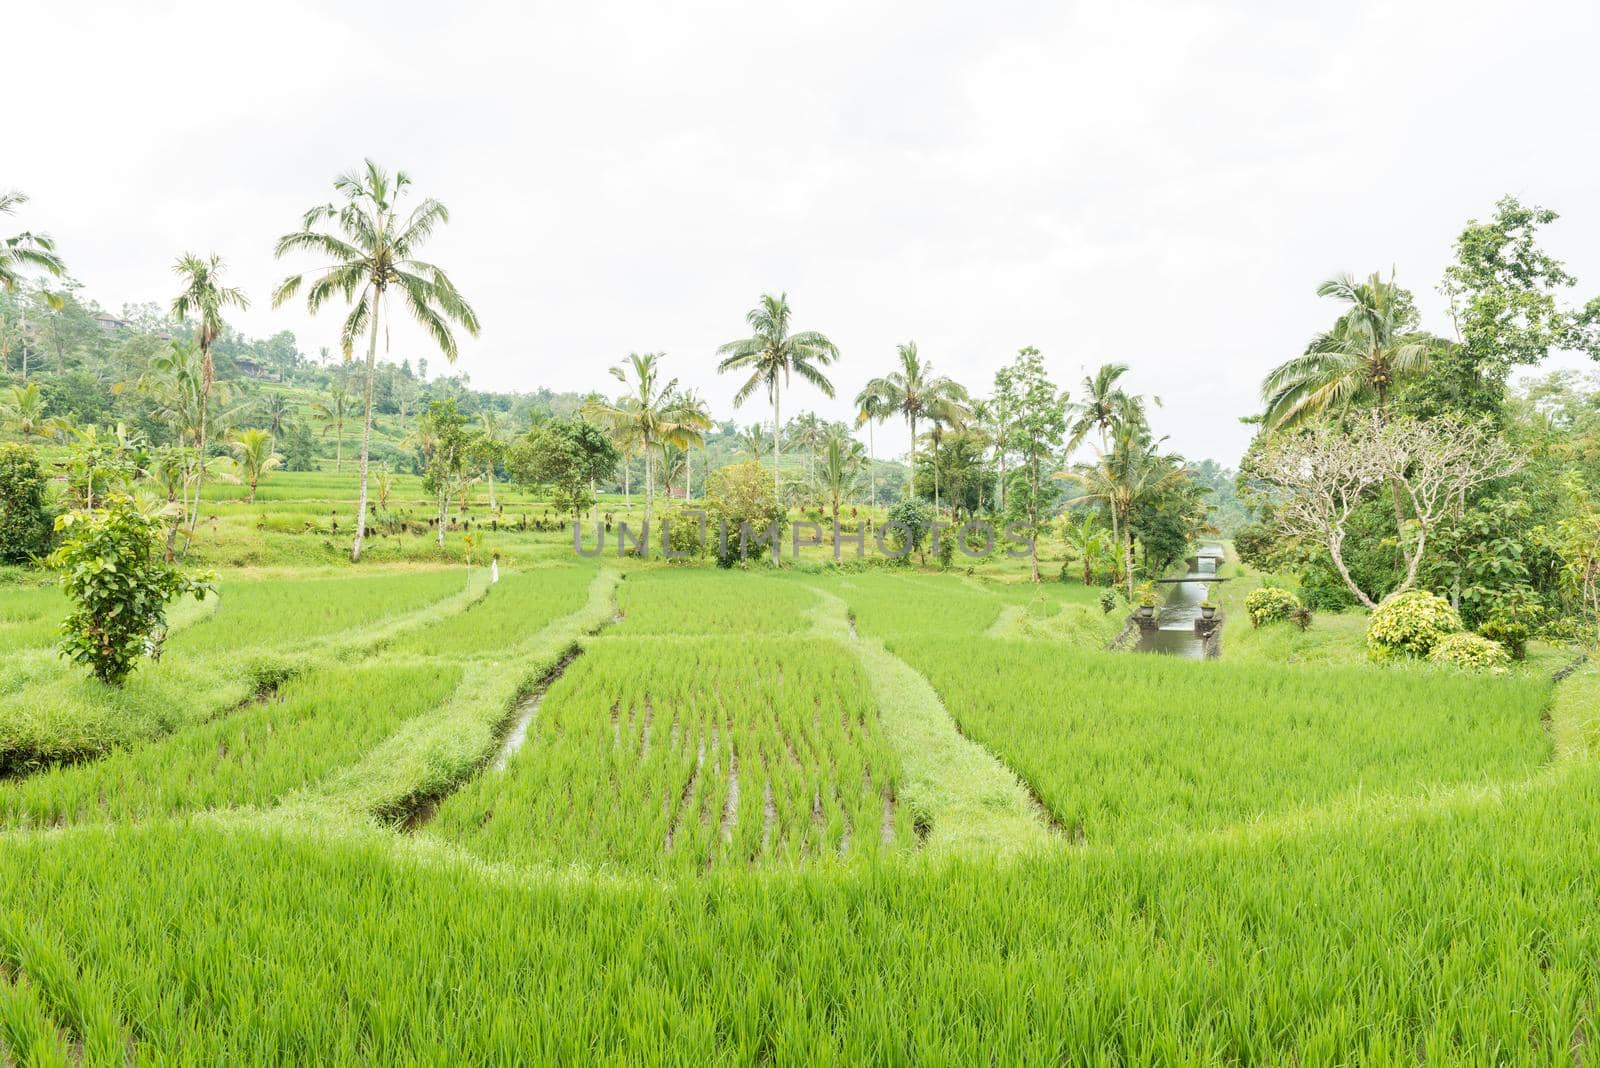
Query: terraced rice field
401, 815
688, 755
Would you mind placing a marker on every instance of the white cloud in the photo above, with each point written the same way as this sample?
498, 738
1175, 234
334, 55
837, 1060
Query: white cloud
1163, 184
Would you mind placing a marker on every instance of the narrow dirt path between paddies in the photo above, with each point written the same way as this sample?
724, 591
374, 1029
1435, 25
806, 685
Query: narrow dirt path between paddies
433, 755
962, 798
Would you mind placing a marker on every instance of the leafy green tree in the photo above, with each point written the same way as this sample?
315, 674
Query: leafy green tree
253, 452
568, 455
372, 249
119, 583
487, 448
275, 409
738, 495
25, 250
444, 437
957, 464
771, 354
205, 297
1503, 292
911, 520
24, 507
1038, 426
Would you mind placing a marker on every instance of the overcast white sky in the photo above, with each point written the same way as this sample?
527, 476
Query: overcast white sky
1158, 183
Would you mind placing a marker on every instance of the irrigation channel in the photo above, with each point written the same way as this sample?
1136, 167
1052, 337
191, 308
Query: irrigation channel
1175, 633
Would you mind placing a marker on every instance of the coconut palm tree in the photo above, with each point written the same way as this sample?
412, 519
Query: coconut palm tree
838, 474
275, 409
21, 251
1088, 541
1108, 408
692, 413
751, 441
917, 393
252, 450
1372, 348
372, 247
650, 416
174, 379
204, 296
1123, 479
805, 432
22, 411
331, 412
771, 354
872, 408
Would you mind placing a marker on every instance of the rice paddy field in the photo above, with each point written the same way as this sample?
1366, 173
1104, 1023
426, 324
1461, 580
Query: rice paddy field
613, 810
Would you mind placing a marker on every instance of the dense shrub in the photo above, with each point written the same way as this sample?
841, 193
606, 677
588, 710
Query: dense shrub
1471, 652
907, 528
119, 583
24, 515
1410, 624
1513, 618
683, 535
1270, 604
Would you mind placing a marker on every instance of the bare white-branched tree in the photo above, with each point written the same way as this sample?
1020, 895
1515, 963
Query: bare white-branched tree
1317, 479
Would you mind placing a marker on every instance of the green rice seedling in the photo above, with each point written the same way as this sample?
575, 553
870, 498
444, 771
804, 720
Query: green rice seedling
1457, 933
273, 612
673, 601
520, 605
30, 616
1121, 747
655, 755
27, 1033
319, 722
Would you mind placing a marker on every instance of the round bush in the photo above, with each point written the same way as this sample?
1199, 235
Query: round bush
1269, 604
1470, 652
1410, 624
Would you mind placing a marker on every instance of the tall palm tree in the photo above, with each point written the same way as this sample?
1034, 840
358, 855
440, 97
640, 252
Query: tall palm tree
331, 412
21, 251
204, 296
1108, 408
1123, 479
838, 475
493, 438
872, 408
275, 409
694, 415
771, 354
751, 441
651, 416
252, 450
174, 380
918, 394
805, 432
373, 249
1371, 349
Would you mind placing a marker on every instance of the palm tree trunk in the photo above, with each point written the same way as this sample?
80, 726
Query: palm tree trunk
777, 485
338, 447
594, 504
366, 430
627, 482
688, 474
649, 486
1127, 563
912, 481
205, 395
872, 466
490, 470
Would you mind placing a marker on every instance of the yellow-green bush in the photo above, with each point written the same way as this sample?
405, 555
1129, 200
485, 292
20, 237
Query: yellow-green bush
1471, 652
1410, 624
1269, 604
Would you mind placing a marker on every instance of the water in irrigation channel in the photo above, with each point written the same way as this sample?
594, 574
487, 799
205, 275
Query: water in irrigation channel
1177, 615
